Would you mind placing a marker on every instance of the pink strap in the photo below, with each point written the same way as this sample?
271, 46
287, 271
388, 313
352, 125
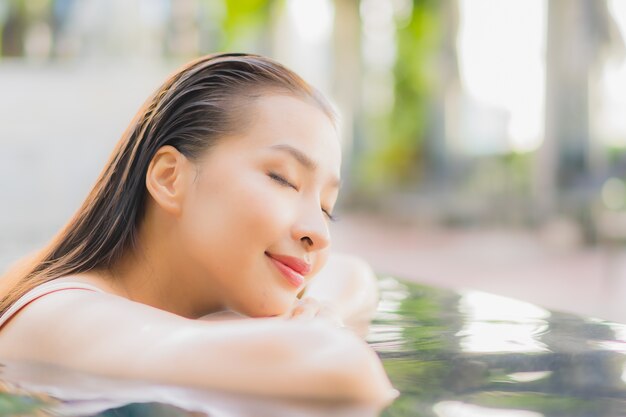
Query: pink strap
38, 292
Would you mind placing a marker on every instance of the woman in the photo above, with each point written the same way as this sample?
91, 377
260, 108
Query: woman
218, 197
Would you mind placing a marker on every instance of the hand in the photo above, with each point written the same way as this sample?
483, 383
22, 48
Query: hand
310, 307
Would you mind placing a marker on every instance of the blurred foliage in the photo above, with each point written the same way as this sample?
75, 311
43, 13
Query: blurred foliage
396, 137
407, 145
245, 22
617, 155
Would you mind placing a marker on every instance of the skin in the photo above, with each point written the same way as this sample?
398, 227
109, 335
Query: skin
344, 292
202, 252
209, 224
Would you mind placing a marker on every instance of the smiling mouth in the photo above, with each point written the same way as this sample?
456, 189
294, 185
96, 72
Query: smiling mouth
290, 275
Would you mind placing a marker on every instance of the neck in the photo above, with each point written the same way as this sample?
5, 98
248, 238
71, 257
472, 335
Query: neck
156, 273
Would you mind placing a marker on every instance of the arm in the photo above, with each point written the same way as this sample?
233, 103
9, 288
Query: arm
116, 337
349, 286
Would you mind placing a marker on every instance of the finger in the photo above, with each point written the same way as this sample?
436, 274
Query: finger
295, 308
307, 308
329, 314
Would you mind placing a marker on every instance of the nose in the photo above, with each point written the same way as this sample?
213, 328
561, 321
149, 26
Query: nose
311, 229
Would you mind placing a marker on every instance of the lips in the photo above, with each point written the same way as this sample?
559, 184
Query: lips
297, 264
293, 269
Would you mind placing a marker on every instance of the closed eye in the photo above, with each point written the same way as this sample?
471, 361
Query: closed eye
282, 180
330, 216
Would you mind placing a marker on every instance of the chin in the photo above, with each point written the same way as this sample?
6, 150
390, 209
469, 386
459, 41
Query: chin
268, 308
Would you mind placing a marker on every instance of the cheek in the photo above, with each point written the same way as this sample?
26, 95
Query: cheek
235, 219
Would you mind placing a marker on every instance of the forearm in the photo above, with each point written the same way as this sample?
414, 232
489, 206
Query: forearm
271, 357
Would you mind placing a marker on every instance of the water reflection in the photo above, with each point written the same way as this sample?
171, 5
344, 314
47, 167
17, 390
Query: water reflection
460, 409
500, 324
476, 354
36, 389
450, 354
528, 376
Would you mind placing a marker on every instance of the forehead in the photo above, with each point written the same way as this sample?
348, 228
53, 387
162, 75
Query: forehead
286, 120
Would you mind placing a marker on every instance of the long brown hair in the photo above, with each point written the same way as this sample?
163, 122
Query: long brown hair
197, 105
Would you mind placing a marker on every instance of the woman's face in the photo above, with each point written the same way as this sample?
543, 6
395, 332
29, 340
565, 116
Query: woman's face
261, 196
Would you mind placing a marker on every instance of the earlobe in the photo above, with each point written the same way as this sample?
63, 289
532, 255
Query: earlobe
165, 179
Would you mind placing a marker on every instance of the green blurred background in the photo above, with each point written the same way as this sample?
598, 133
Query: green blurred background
484, 140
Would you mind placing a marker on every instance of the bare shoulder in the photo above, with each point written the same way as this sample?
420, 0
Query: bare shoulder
74, 321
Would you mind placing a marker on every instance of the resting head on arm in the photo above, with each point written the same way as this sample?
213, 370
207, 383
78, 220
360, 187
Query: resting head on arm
348, 288
219, 196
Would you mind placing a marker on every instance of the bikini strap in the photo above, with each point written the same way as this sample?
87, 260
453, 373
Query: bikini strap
40, 291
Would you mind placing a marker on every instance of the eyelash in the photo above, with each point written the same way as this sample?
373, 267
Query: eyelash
283, 181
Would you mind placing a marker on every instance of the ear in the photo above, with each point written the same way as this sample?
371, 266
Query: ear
166, 179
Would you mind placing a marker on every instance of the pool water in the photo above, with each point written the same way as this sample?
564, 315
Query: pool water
449, 353
476, 354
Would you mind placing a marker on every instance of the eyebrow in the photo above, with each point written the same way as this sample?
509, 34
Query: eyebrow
304, 160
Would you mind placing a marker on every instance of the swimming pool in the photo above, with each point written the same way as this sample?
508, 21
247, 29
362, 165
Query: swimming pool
450, 353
